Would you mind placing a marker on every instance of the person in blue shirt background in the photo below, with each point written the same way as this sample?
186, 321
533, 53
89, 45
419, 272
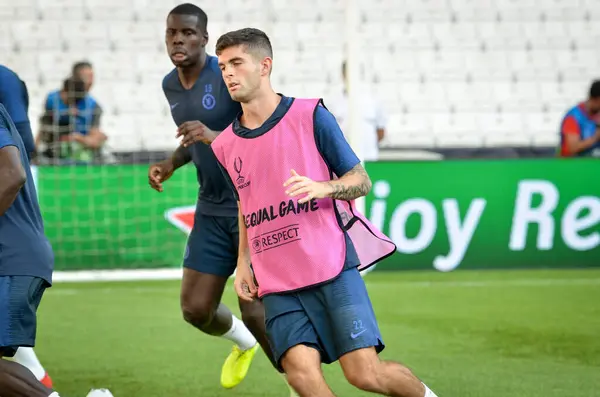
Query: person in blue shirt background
15, 98
70, 126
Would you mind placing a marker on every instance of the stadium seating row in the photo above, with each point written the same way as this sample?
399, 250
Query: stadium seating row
492, 72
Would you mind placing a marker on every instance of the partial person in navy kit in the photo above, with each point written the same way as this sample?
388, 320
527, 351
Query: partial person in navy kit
201, 108
26, 262
15, 99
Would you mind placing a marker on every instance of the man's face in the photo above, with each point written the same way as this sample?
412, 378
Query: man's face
594, 107
184, 39
86, 74
241, 72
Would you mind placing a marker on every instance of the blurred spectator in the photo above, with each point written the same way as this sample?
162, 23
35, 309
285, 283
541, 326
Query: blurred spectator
14, 97
70, 126
372, 119
580, 131
84, 71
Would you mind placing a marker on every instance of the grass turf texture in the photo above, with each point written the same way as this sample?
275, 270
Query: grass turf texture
466, 333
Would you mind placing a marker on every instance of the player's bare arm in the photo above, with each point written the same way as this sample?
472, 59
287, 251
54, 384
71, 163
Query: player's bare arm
576, 145
180, 157
352, 185
161, 171
12, 176
244, 279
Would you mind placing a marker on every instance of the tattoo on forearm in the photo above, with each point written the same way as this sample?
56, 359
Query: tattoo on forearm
181, 157
342, 192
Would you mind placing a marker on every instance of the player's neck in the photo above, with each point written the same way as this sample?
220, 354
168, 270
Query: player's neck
189, 75
259, 109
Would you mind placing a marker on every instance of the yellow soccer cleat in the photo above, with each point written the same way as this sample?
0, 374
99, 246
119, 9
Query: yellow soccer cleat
236, 366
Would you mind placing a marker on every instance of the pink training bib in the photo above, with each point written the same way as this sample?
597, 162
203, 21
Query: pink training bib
292, 245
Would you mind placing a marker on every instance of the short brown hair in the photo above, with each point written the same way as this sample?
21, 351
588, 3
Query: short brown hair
254, 40
80, 65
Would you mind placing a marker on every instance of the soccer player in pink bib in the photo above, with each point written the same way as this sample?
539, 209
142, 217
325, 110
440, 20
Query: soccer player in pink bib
302, 244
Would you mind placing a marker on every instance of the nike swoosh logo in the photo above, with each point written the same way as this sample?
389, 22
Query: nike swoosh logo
356, 335
173, 106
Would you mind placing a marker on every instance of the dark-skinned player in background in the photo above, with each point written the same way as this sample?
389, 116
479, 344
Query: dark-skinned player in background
201, 107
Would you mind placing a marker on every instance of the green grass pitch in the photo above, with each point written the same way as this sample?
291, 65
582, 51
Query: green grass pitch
466, 334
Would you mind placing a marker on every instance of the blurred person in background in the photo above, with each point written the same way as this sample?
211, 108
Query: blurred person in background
372, 125
372, 118
580, 127
15, 99
70, 125
84, 71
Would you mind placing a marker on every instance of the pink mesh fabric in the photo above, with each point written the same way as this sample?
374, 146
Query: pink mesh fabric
292, 246
371, 245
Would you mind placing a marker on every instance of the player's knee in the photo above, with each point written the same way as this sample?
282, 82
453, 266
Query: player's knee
367, 381
302, 370
363, 370
301, 377
197, 312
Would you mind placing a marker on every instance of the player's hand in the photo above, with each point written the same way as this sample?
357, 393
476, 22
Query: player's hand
244, 281
299, 184
194, 131
159, 173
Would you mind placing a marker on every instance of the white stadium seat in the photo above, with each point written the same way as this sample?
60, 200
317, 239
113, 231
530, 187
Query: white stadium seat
449, 73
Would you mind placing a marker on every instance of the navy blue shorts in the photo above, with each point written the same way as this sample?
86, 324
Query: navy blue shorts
334, 318
212, 246
20, 297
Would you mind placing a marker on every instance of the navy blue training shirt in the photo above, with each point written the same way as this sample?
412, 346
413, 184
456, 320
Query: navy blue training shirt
24, 248
209, 102
14, 97
335, 150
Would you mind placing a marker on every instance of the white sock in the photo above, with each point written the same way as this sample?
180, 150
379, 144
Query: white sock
27, 358
55, 394
428, 392
240, 335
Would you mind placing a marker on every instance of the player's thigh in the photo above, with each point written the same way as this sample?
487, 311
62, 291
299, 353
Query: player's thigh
345, 321
20, 298
287, 325
212, 246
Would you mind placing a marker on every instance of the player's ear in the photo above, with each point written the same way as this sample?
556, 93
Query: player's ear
267, 65
204, 38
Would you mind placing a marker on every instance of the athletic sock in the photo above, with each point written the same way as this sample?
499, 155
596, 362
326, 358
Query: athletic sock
240, 335
27, 358
54, 394
428, 392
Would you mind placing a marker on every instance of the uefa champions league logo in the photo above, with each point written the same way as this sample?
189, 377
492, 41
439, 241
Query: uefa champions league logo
237, 166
